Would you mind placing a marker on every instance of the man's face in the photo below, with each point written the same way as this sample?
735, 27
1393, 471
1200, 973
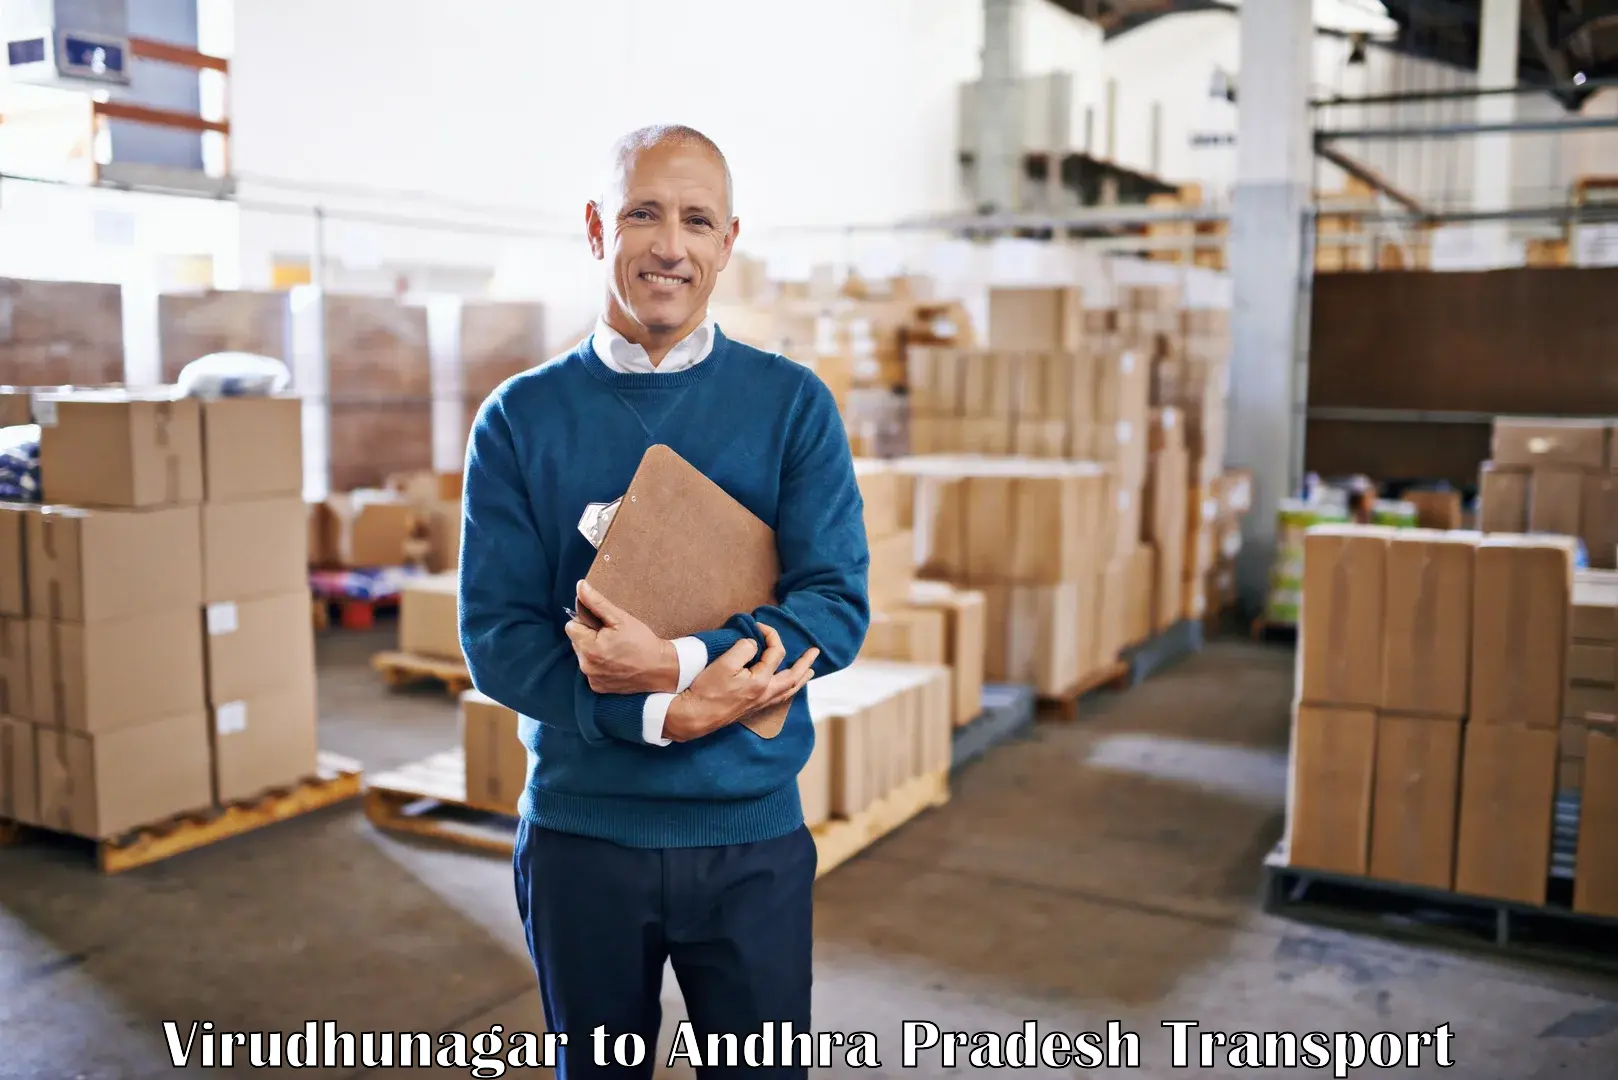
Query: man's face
667, 233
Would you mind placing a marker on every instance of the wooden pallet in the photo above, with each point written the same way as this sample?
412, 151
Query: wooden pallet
337, 780
1113, 676
428, 799
402, 669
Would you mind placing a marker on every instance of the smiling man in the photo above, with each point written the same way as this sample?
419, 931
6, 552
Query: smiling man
654, 826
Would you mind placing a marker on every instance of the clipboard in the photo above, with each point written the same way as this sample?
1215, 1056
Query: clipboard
683, 556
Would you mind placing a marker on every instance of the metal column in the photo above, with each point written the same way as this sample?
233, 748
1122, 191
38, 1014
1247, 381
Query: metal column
1500, 26
999, 114
1269, 275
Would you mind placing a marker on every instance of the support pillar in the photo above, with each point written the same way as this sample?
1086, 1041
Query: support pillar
1274, 174
1499, 34
999, 114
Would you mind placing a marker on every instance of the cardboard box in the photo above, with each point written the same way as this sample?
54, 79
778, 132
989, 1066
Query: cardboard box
1436, 509
254, 548
1595, 605
1416, 799
1427, 623
13, 558
15, 698
1502, 499
19, 772
102, 785
105, 676
1592, 662
1583, 700
1533, 442
1164, 501
1329, 818
881, 491
1112, 622
1031, 634
496, 760
908, 633
1508, 792
368, 528
893, 568
1138, 595
92, 565
1520, 614
264, 742
1168, 588
116, 448
965, 646
1555, 497
1598, 519
259, 646
429, 617
252, 447
1595, 864
814, 779
1344, 595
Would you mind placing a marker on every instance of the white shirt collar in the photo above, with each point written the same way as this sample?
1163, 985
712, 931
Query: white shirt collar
624, 356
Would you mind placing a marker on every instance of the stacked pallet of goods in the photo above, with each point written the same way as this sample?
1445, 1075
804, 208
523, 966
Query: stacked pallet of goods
1431, 712
159, 656
1553, 476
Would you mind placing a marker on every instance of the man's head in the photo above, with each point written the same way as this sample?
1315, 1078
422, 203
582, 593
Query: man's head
665, 226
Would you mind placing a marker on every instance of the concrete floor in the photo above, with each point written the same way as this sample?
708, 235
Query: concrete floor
1103, 871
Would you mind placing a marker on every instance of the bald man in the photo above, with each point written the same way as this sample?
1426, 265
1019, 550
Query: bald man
654, 827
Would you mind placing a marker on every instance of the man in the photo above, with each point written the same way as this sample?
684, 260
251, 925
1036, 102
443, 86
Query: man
654, 826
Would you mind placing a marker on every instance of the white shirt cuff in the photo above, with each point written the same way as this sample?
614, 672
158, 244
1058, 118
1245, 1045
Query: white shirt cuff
651, 719
693, 659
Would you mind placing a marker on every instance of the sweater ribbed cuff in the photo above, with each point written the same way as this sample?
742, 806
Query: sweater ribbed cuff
718, 642
621, 716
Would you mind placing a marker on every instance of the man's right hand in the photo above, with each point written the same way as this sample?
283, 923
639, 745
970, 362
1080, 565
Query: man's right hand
728, 689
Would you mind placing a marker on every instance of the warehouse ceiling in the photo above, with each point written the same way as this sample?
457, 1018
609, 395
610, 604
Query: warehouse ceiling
1562, 40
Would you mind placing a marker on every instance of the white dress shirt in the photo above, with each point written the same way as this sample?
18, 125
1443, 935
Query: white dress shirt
622, 355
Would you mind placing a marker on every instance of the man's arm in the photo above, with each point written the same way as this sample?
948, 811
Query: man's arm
823, 599
516, 651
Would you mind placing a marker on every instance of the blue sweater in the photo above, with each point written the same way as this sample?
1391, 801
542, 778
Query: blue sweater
571, 432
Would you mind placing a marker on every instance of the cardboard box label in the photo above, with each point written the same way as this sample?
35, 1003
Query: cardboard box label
221, 618
230, 718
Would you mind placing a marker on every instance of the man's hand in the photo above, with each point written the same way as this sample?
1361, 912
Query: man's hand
624, 656
728, 689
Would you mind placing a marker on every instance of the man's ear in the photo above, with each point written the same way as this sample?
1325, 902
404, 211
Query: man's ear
729, 243
595, 229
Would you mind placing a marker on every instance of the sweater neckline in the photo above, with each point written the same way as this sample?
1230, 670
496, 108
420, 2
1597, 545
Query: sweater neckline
654, 380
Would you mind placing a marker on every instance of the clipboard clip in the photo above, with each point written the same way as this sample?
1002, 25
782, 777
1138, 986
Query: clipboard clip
596, 519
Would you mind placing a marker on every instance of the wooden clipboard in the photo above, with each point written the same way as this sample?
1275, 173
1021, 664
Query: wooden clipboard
683, 556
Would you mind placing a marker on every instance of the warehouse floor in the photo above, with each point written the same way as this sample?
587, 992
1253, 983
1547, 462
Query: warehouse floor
1102, 871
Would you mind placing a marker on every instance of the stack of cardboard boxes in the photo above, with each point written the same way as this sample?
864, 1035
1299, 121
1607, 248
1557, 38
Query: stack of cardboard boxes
1163, 523
168, 649
922, 622
1039, 540
1431, 669
1553, 476
1591, 701
878, 726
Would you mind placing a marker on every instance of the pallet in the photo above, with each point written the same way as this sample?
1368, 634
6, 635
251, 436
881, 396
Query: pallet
1162, 650
402, 669
1264, 630
338, 780
428, 799
1065, 706
1552, 931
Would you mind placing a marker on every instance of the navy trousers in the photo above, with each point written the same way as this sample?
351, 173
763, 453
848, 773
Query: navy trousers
601, 919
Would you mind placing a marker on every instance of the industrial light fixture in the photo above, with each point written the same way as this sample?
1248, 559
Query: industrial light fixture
1356, 54
1578, 78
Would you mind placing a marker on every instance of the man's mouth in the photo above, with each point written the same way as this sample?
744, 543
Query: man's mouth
664, 279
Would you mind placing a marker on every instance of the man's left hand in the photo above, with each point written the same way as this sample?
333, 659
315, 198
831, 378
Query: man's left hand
624, 656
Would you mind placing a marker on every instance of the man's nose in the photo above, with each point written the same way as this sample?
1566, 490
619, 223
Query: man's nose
669, 243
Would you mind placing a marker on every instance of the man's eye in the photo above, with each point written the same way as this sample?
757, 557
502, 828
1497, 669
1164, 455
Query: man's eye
639, 215
701, 223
